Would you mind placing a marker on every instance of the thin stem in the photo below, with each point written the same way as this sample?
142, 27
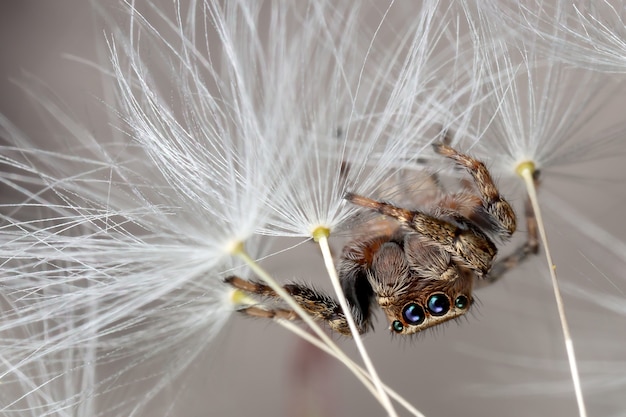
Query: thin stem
322, 240
239, 251
526, 171
361, 374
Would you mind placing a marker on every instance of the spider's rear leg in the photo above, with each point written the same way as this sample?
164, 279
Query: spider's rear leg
317, 304
464, 241
497, 207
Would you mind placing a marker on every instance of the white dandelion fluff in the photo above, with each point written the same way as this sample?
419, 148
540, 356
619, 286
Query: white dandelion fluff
535, 119
120, 245
584, 34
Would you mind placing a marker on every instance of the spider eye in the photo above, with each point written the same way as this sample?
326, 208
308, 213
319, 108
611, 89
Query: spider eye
413, 314
461, 302
397, 326
438, 304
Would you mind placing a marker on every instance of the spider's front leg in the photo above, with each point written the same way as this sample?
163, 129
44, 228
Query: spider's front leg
498, 209
464, 240
522, 252
317, 304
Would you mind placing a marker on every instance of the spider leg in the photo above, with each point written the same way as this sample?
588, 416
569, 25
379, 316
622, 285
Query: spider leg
447, 141
496, 206
463, 240
319, 305
277, 313
521, 253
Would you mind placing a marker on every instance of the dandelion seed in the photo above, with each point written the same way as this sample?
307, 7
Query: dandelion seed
537, 123
129, 238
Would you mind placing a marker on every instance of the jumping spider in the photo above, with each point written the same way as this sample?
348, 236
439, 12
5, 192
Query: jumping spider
422, 272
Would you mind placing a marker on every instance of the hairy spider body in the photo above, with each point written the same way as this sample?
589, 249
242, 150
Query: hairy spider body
422, 271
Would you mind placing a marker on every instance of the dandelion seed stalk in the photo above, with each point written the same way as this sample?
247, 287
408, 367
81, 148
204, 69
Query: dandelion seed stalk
239, 250
320, 235
526, 171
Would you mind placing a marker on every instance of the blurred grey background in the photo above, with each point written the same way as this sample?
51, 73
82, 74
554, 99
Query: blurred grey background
506, 359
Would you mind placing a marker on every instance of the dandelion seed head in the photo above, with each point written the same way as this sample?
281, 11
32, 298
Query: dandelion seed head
533, 108
363, 134
126, 242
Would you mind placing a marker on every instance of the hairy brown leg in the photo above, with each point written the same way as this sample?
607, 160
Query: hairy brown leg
522, 252
497, 207
469, 244
319, 305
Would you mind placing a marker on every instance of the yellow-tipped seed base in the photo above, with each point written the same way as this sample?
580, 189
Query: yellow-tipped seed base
527, 171
320, 232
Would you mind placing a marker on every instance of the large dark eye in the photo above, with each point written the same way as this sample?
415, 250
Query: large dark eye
438, 304
397, 326
461, 302
413, 313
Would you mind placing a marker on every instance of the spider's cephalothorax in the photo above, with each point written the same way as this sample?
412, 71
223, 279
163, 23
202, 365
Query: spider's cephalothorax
421, 272
417, 284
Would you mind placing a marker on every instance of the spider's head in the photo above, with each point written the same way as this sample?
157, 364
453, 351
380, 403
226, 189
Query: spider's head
418, 285
427, 304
